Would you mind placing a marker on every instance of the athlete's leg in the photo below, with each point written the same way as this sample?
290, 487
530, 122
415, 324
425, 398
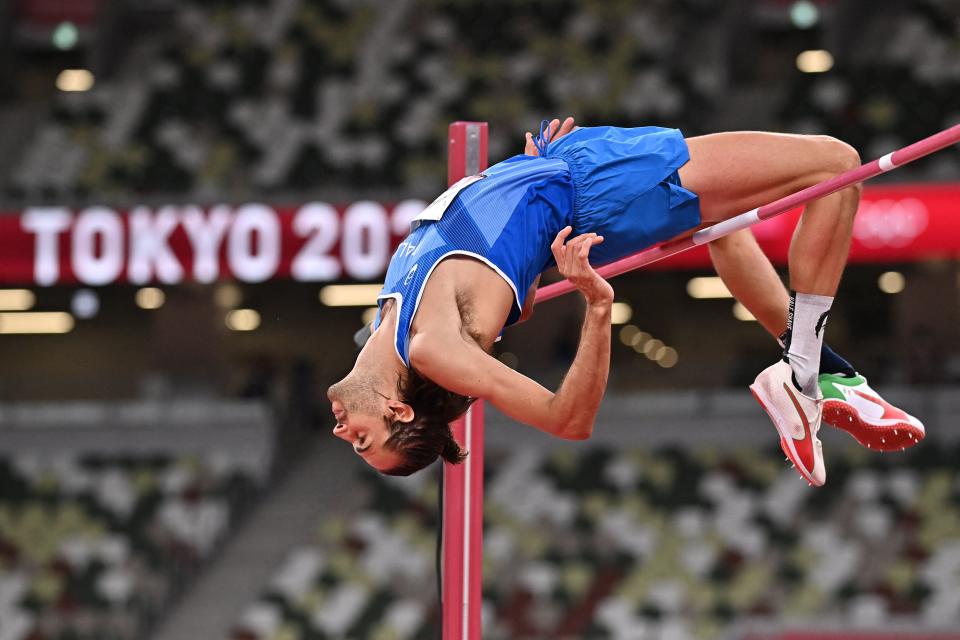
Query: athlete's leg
751, 278
748, 274
738, 171
735, 172
850, 403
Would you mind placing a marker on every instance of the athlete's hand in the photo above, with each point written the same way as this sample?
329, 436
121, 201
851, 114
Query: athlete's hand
555, 131
573, 262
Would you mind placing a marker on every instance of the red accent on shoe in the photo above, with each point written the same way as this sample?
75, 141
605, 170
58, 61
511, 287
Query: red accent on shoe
804, 446
897, 435
786, 448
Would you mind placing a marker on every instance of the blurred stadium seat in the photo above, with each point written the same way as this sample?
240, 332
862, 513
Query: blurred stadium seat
639, 543
97, 547
105, 518
258, 97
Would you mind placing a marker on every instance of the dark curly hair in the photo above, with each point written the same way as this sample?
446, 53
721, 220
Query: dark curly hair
428, 435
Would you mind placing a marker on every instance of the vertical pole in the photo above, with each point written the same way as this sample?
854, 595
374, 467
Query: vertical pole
463, 483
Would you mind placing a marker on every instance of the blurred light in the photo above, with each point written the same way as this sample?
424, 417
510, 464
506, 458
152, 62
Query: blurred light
804, 14
65, 36
36, 322
85, 304
740, 312
620, 313
369, 315
668, 357
150, 298
242, 320
815, 61
650, 348
16, 299
639, 341
891, 282
350, 295
707, 287
627, 332
75, 80
509, 359
227, 296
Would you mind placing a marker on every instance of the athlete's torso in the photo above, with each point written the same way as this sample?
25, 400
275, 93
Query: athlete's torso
465, 294
503, 224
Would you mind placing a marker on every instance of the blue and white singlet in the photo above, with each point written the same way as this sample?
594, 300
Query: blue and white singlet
620, 183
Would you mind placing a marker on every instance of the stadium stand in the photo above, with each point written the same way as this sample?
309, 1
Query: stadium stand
639, 543
97, 547
281, 97
98, 540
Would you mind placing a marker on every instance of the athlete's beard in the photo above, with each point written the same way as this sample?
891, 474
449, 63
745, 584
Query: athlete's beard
357, 393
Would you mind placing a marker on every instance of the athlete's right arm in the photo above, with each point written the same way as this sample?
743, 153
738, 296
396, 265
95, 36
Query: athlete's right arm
464, 368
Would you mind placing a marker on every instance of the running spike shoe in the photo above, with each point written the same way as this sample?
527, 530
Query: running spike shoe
797, 419
851, 405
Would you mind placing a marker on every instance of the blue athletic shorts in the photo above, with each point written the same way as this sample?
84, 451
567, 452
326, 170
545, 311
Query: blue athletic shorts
626, 187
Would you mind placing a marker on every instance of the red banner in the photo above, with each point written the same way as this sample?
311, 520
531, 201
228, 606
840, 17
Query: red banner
898, 223
97, 246
318, 242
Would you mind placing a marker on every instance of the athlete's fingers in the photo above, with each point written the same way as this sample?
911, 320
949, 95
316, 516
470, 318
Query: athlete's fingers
578, 247
586, 246
566, 127
590, 240
548, 131
530, 148
573, 245
571, 257
557, 246
586, 238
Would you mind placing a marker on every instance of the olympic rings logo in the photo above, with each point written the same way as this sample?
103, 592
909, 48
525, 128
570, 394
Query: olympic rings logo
890, 223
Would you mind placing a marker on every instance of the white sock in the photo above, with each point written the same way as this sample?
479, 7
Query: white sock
805, 326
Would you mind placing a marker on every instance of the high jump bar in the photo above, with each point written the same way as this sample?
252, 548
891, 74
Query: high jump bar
889, 162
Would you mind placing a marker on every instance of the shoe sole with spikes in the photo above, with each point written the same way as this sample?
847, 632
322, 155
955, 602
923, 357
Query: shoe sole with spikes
852, 406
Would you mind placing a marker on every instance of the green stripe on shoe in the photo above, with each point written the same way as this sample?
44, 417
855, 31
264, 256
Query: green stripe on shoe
830, 381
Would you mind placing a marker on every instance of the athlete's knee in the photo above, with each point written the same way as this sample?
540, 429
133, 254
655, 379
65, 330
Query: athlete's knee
847, 159
838, 155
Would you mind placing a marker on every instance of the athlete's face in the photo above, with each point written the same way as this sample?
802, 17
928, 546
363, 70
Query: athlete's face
364, 415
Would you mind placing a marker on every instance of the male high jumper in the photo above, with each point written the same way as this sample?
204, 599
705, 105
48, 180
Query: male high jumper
591, 195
